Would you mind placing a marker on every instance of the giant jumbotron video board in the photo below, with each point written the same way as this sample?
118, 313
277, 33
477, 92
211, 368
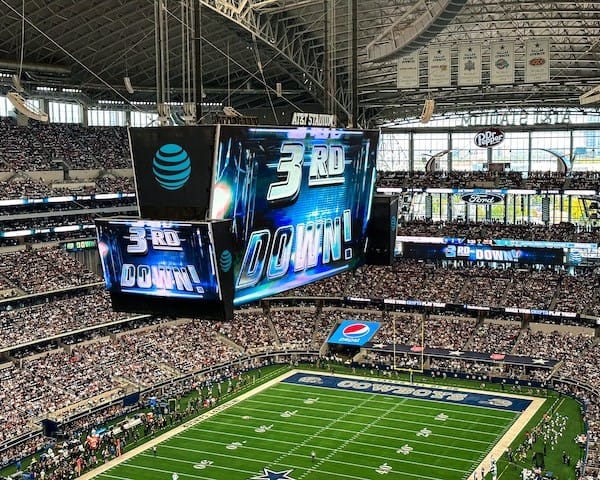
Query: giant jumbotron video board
295, 203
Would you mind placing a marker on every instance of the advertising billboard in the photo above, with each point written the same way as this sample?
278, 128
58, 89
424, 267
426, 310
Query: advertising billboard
173, 171
354, 332
483, 253
299, 199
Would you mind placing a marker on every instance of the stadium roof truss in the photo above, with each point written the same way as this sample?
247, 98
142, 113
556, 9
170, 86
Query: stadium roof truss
251, 45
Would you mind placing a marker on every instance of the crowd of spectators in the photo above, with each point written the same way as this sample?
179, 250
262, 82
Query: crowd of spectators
578, 294
40, 146
43, 270
542, 180
80, 376
562, 232
26, 187
450, 333
468, 284
252, 332
294, 326
39, 321
50, 221
495, 337
52, 237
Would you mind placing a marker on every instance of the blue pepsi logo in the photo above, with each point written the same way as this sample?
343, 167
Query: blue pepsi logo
356, 330
225, 260
171, 166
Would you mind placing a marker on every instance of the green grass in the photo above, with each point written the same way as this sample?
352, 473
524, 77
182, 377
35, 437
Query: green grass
564, 406
355, 435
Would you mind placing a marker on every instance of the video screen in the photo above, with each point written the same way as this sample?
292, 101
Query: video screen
299, 199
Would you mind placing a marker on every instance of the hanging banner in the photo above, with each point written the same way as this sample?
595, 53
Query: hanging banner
502, 63
469, 64
537, 60
408, 71
439, 66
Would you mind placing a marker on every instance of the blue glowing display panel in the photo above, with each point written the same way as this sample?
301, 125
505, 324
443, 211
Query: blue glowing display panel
483, 253
299, 199
158, 259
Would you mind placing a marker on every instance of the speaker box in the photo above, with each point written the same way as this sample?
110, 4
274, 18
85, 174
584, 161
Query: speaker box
381, 230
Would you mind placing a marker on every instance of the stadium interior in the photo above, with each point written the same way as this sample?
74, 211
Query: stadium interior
520, 304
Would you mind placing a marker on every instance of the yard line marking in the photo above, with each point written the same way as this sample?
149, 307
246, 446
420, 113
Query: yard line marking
114, 476
296, 467
479, 410
394, 429
454, 418
396, 420
277, 377
133, 465
361, 453
323, 437
346, 442
327, 400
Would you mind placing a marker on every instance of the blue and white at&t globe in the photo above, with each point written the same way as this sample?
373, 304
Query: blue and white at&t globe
171, 166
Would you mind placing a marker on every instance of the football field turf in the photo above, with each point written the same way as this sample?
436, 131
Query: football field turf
357, 430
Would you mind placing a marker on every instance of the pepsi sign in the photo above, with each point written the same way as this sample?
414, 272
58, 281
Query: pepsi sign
482, 198
354, 332
489, 137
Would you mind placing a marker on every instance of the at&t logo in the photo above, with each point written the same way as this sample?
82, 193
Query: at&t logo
225, 260
171, 166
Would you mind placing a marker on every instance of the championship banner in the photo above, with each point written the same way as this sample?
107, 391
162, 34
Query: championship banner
299, 199
502, 63
173, 169
354, 332
156, 266
408, 71
537, 61
469, 64
439, 66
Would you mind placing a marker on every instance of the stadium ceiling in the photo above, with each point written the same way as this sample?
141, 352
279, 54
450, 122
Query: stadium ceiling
92, 46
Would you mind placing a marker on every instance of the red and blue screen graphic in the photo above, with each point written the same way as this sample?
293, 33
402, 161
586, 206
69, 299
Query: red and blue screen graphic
354, 332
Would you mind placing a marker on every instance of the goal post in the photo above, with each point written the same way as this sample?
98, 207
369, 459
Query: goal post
416, 350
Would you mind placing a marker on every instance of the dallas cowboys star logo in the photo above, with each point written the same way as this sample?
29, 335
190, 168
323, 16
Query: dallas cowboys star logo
539, 361
378, 345
272, 475
455, 353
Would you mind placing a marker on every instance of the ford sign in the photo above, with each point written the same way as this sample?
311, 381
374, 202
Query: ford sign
482, 198
489, 137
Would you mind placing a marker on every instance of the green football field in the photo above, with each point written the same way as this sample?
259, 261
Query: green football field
354, 435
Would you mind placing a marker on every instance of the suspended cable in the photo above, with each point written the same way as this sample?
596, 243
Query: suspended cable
242, 67
262, 74
22, 38
70, 55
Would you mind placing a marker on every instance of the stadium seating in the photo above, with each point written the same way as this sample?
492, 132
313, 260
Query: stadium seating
81, 355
